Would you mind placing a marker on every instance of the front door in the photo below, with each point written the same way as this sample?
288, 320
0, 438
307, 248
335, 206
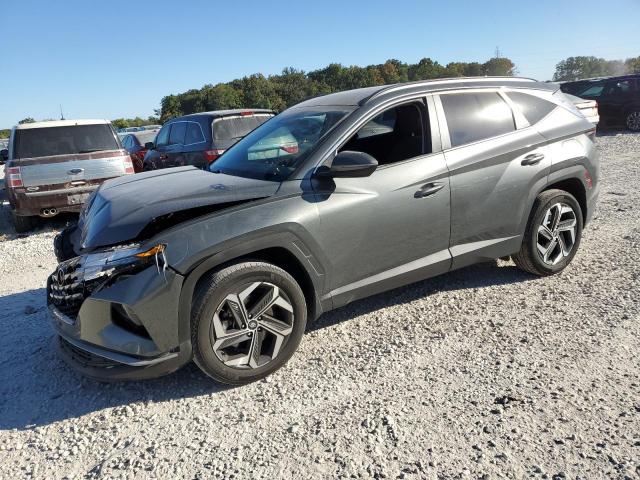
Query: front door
391, 228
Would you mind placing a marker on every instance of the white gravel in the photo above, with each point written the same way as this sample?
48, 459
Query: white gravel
482, 373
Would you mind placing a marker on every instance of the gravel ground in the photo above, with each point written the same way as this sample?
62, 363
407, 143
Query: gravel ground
482, 373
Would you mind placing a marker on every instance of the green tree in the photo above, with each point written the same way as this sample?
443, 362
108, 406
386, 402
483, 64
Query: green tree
575, 68
26, 120
499, 66
632, 65
170, 107
425, 69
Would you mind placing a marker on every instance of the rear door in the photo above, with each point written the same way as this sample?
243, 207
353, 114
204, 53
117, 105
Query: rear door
493, 168
616, 96
75, 158
195, 144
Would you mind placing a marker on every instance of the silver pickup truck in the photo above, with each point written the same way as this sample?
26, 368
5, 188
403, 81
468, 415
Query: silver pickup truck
54, 166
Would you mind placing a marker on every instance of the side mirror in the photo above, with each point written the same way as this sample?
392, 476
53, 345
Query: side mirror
149, 146
349, 164
4, 153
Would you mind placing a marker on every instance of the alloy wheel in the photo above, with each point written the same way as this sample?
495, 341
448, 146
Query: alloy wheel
557, 233
250, 326
633, 121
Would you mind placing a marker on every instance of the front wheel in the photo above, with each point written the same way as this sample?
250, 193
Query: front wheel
633, 121
553, 234
247, 321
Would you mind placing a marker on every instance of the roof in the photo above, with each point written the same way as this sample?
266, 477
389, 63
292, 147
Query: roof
226, 113
62, 123
597, 79
360, 96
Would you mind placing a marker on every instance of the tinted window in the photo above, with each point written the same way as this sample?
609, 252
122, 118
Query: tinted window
476, 116
42, 142
194, 134
163, 136
178, 129
533, 108
236, 127
592, 91
275, 149
392, 136
619, 88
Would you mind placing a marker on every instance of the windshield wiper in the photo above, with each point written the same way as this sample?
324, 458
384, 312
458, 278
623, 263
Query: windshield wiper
216, 171
91, 150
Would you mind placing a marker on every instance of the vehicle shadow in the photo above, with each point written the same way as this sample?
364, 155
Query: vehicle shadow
476, 276
37, 388
7, 232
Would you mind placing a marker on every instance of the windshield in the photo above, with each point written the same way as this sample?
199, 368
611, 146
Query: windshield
276, 148
45, 142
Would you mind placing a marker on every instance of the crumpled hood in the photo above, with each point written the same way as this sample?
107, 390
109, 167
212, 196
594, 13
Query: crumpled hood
124, 206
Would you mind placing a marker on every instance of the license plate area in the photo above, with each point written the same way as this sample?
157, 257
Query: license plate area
77, 199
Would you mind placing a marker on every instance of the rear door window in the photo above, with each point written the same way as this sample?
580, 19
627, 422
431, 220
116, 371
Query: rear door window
472, 117
194, 134
533, 108
178, 129
73, 139
592, 91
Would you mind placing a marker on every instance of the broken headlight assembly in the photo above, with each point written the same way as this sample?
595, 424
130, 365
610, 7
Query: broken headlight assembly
123, 260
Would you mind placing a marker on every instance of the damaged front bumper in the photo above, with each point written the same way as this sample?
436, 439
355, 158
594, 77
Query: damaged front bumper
121, 324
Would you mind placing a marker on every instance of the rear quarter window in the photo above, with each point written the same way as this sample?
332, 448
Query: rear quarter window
533, 108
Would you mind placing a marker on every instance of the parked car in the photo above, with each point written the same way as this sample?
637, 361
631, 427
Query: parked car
618, 98
4, 145
134, 143
151, 127
588, 108
200, 138
385, 186
54, 166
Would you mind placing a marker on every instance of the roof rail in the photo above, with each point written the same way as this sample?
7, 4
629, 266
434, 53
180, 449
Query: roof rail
402, 86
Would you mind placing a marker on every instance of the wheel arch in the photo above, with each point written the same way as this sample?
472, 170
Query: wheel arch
575, 187
289, 256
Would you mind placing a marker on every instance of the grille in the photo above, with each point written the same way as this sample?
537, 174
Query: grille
84, 358
65, 288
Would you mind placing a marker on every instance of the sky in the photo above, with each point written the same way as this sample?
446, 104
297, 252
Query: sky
119, 58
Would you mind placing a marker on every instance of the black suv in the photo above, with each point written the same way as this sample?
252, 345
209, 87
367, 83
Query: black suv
618, 98
200, 138
337, 198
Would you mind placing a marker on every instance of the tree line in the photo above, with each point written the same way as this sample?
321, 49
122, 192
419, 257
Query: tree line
575, 68
278, 92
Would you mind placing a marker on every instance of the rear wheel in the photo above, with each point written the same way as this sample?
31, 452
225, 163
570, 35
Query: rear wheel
22, 223
553, 234
633, 121
247, 321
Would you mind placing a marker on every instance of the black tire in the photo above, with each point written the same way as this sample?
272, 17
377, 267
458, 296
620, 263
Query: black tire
210, 293
21, 223
529, 258
632, 120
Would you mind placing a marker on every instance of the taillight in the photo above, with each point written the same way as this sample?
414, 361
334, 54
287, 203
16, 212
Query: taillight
140, 154
587, 178
290, 148
246, 114
212, 155
128, 166
15, 177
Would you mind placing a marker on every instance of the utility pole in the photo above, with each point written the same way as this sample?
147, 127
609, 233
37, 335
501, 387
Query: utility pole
497, 52
61, 114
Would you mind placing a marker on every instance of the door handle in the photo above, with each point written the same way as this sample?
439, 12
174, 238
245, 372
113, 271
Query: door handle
75, 171
162, 156
428, 189
533, 159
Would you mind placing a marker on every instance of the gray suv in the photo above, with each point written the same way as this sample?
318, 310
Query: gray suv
337, 198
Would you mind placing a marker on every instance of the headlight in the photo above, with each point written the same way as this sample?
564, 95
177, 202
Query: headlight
123, 259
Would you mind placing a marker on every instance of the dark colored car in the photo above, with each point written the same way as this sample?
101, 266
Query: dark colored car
618, 98
134, 143
200, 138
337, 198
